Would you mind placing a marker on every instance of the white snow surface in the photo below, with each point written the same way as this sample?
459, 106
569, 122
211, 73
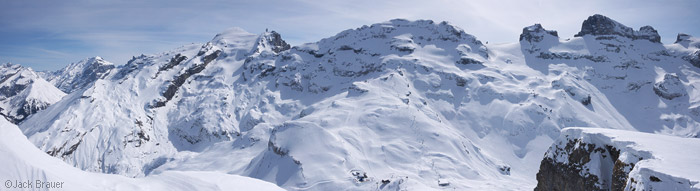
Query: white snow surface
419, 103
21, 161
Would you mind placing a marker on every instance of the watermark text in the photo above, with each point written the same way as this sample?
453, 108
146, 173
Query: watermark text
33, 184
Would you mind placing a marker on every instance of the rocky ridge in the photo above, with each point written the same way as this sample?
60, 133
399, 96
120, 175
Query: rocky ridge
605, 159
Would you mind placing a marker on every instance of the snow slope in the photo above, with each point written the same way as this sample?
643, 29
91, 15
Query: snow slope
21, 161
23, 92
626, 160
402, 104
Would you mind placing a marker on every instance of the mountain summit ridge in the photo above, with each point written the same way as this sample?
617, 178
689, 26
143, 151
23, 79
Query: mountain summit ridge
598, 25
79, 74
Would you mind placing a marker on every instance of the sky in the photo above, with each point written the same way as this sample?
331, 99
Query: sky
48, 35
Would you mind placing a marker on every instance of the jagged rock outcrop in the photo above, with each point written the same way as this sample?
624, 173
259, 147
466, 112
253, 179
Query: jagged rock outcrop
690, 43
670, 87
180, 79
536, 33
607, 159
599, 25
682, 38
272, 41
693, 58
648, 33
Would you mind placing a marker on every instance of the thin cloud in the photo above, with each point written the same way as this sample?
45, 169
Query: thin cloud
51, 52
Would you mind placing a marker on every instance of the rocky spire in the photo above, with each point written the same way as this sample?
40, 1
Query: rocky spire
682, 37
278, 45
648, 33
271, 41
536, 33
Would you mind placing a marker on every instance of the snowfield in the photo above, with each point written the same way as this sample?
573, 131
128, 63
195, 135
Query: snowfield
399, 105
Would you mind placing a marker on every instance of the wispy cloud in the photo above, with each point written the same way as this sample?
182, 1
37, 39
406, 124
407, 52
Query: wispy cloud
51, 34
51, 53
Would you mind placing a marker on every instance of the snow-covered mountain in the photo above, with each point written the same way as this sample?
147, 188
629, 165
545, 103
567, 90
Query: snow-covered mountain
79, 74
23, 92
403, 104
653, 86
24, 167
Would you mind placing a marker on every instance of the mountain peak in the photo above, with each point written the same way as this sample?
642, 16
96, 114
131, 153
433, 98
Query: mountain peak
687, 41
10, 65
649, 33
443, 29
80, 74
271, 41
602, 25
89, 61
536, 33
682, 37
444, 26
24, 92
400, 35
98, 59
234, 37
231, 32
597, 25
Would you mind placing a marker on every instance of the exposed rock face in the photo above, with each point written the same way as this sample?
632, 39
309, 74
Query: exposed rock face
602, 25
574, 173
278, 45
682, 37
687, 41
693, 58
270, 41
691, 43
537, 39
536, 33
606, 159
648, 33
670, 87
598, 25
180, 79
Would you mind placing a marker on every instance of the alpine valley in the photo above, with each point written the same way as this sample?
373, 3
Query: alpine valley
399, 105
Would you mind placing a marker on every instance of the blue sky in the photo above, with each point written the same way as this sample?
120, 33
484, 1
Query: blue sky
47, 35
